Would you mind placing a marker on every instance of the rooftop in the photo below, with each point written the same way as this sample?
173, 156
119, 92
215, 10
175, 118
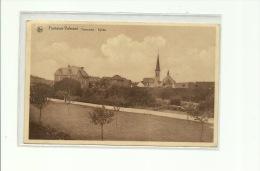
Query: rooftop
71, 70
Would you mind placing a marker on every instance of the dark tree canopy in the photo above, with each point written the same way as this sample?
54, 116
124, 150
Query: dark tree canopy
40, 96
101, 116
69, 85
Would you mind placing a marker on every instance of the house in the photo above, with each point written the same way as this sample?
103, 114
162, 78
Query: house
115, 80
74, 72
134, 84
148, 82
93, 81
140, 84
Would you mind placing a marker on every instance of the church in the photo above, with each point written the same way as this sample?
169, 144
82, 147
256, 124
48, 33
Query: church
156, 81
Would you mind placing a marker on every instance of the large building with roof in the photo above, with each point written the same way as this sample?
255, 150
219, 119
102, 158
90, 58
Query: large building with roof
77, 73
86, 81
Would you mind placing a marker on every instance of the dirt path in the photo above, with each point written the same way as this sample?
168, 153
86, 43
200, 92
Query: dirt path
133, 110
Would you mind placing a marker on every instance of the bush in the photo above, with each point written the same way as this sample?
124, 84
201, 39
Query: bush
175, 100
69, 85
40, 131
133, 96
208, 104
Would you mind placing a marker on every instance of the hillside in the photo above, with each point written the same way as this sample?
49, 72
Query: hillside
36, 79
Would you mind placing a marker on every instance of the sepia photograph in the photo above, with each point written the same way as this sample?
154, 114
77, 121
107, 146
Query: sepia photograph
121, 83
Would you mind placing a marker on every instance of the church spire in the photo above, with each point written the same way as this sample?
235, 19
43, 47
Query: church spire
168, 73
157, 64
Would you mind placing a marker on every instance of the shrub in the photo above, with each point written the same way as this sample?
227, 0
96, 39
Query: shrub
208, 104
69, 85
175, 100
133, 96
40, 131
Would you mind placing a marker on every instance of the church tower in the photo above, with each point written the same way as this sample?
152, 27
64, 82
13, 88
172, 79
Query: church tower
157, 70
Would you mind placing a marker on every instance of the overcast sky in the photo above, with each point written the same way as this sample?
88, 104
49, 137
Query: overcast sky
127, 50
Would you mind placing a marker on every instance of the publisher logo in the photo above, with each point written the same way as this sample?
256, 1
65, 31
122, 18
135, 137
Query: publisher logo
39, 29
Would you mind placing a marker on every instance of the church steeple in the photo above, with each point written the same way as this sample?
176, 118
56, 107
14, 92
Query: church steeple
168, 73
157, 70
157, 64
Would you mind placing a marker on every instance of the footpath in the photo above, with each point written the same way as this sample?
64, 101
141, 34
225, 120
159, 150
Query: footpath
134, 110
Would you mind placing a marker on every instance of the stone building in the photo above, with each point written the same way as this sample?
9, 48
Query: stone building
74, 72
156, 82
168, 81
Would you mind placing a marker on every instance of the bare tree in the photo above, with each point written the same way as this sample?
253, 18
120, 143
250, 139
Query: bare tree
190, 111
117, 102
202, 119
69, 99
101, 116
201, 116
39, 96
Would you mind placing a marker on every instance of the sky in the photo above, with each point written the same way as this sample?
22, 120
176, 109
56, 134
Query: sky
131, 51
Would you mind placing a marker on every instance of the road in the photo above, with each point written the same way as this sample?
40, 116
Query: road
134, 110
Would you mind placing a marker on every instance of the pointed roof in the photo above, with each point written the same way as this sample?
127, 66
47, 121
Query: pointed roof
168, 78
157, 64
71, 70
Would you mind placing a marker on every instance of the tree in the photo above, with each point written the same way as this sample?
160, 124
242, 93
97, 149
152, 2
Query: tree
101, 116
39, 96
190, 111
117, 103
69, 99
69, 85
199, 114
166, 94
202, 119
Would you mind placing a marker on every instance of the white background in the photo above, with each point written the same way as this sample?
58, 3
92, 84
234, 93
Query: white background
239, 140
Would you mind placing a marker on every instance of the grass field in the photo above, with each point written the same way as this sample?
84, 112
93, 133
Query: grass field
129, 127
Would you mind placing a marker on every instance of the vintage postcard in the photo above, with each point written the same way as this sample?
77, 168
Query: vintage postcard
121, 83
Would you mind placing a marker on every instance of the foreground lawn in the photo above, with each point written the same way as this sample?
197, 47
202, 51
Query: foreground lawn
129, 127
